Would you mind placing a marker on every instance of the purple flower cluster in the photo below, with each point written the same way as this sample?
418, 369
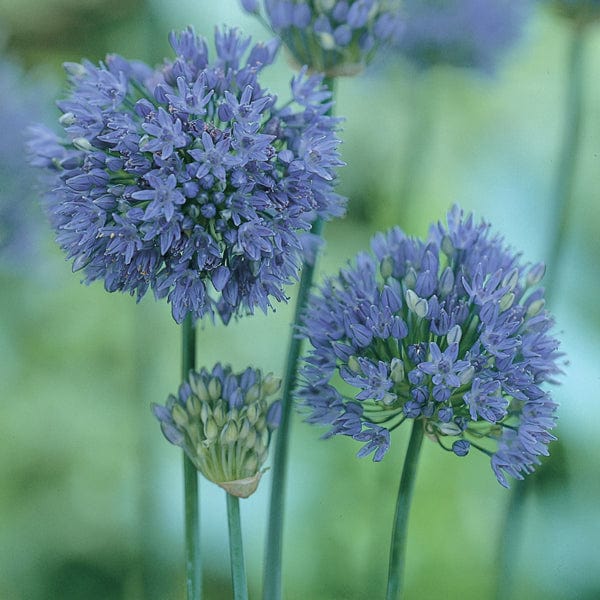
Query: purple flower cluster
460, 33
223, 421
335, 37
451, 331
188, 179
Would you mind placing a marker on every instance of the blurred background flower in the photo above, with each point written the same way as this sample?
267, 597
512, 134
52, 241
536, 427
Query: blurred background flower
85, 513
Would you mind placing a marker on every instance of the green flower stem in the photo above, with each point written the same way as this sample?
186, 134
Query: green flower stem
236, 549
193, 568
510, 540
400, 528
567, 166
273, 557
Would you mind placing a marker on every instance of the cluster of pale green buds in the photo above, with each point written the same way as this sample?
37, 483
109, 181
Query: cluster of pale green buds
224, 422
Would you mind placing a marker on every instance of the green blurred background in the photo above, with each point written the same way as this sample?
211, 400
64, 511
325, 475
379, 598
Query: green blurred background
90, 492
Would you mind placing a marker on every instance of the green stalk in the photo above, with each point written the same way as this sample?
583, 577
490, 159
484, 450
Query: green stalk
236, 549
273, 556
400, 527
193, 568
510, 540
567, 167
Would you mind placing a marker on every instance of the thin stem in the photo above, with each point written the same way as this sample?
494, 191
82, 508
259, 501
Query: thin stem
400, 527
236, 549
567, 167
511, 534
273, 556
193, 568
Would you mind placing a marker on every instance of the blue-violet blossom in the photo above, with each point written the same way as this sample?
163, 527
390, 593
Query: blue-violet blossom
335, 37
223, 421
460, 33
188, 179
451, 331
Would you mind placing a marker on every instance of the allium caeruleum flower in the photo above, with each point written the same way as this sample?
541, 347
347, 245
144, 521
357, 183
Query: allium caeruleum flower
188, 179
451, 331
335, 37
581, 11
460, 33
20, 226
223, 421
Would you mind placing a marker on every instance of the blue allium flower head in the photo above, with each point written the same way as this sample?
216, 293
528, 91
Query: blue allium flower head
20, 224
223, 421
460, 33
451, 331
335, 37
580, 11
189, 180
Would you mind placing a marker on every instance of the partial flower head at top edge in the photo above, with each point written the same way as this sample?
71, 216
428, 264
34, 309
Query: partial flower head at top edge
460, 33
451, 331
335, 37
189, 180
223, 421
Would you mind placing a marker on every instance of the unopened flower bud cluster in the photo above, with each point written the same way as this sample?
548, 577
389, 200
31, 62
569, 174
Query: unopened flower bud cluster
223, 421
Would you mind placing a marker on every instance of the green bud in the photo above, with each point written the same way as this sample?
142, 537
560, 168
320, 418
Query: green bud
220, 413
205, 411
454, 335
511, 279
271, 384
82, 144
447, 246
179, 416
214, 389
389, 398
261, 423
229, 433
67, 119
536, 273
506, 301
446, 281
354, 365
410, 279
211, 431
326, 40
250, 438
466, 376
419, 306
386, 267
535, 307
448, 428
244, 429
199, 388
253, 412
397, 370
253, 394
251, 464
193, 406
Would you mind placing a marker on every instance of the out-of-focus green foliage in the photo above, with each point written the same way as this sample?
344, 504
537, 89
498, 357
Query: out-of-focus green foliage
90, 501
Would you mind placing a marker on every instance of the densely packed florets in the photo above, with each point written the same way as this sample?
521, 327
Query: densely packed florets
223, 421
460, 33
335, 37
188, 179
451, 331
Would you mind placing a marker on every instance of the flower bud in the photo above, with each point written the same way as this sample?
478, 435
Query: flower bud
82, 144
397, 370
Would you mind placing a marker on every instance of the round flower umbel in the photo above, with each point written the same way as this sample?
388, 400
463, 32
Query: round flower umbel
188, 179
460, 33
223, 421
450, 331
332, 37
